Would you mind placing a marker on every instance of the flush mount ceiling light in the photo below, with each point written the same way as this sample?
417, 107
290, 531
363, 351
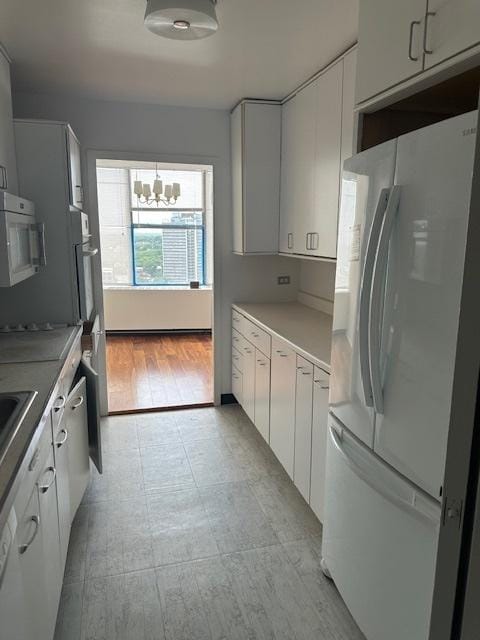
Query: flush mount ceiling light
181, 19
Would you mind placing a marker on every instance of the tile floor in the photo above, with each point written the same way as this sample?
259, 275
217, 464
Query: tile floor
195, 532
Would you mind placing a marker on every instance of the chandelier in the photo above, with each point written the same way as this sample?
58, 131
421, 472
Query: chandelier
159, 193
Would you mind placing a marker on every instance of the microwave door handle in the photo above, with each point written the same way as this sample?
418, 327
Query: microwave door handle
376, 306
42, 259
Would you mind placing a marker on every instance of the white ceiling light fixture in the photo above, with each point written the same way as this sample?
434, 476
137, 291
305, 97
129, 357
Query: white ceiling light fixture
181, 19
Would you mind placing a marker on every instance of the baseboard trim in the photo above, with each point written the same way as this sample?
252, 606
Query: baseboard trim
228, 398
147, 332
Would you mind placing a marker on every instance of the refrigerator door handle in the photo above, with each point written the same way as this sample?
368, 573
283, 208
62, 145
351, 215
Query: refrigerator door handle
375, 311
365, 291
416, 504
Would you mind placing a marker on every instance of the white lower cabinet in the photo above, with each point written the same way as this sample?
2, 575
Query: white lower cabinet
303, 426
14, 622
282, 403
248, 378
32, 565
78, 456
237, 385
262, 394
60, 444
286, 397
47, 496
319, 440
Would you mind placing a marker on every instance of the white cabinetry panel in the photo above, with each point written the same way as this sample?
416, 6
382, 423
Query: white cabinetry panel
452, 26
303, 426
60, 444
75, 170
237, 385
78, 457
321, 224
8, 165
287, 195
390, 47
47, 495
349, 143
248, 376
319, 440
282, 403
255, 138
262, 394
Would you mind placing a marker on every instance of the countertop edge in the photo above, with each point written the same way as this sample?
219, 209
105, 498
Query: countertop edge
302, 352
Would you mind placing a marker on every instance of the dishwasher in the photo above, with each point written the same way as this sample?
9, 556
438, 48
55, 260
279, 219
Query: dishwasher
12, 603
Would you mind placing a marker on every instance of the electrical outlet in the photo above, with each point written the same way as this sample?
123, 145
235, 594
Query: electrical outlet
283, 280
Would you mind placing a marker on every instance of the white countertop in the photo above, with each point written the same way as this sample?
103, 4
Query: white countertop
308, 331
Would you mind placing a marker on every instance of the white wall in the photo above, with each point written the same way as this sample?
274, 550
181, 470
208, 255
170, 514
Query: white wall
191, 135
317, 279
157, 309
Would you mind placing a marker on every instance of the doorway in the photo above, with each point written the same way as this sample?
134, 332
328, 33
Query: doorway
156, 238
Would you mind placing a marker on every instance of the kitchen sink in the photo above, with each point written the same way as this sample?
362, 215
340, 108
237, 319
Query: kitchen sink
13, 409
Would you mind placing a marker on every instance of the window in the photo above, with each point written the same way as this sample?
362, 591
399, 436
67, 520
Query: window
146, 245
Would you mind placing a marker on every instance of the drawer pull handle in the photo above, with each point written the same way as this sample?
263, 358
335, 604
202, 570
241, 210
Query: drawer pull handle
78, 403
306, 373
322, 383
255, 335
65, 438
36, 520
283, 355
57, 407
43, 488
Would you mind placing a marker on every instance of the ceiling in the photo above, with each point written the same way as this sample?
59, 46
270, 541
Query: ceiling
100, 49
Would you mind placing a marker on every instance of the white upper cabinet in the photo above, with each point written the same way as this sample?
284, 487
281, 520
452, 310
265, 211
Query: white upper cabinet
390, 44
349, 130
255, 142
287, 195
452, 27
321, 223
302, 163
317, 133
400, 40
8, 164
75, 170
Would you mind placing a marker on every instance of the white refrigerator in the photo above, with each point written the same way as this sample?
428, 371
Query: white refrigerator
402, 235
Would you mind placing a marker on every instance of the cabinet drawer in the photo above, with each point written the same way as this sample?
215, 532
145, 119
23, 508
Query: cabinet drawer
304, 367
237, 359
238, 341
321, 378
258, 337
280, 349
237, 320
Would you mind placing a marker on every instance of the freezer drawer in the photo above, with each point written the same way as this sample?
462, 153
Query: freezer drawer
379, 541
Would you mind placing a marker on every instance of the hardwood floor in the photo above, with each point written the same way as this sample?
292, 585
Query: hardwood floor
146, 372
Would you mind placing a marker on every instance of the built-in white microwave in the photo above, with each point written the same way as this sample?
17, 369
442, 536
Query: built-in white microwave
22, 240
